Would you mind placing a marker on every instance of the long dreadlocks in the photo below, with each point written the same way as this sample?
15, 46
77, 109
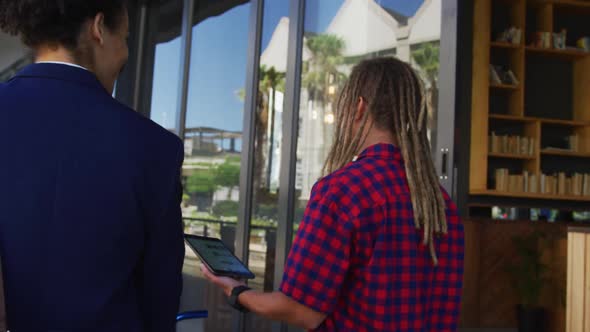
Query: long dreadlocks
396, 100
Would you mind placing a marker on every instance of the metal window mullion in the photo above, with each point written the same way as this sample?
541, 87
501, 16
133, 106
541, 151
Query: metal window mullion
289, 142
141, 32
446, 103
146, 80
185, 63
248, 142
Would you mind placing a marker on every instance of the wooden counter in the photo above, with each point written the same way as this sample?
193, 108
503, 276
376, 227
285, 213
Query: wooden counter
578, 280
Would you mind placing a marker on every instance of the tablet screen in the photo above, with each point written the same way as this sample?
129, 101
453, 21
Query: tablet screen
217, 256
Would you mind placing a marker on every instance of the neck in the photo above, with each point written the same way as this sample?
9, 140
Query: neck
376, 136
59, 54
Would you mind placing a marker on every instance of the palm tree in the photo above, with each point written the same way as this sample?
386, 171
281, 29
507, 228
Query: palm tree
321, 79
270, 80
427, 57
321, 70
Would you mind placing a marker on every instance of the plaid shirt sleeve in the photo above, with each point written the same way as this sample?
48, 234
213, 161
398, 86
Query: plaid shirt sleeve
319, 259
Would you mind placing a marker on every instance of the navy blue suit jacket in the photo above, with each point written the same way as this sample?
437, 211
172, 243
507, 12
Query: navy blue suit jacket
90, 221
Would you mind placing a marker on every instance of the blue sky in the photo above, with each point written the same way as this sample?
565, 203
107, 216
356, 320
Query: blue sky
218, 61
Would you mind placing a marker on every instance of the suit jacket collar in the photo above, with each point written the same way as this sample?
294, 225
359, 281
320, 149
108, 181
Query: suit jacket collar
61, 72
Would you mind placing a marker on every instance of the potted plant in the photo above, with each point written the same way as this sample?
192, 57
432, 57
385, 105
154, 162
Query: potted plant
529, 277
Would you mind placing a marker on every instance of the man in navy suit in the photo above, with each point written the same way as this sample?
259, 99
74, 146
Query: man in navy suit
90, 221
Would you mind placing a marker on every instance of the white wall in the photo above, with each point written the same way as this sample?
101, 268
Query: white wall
427, 26
365, 27
11, 50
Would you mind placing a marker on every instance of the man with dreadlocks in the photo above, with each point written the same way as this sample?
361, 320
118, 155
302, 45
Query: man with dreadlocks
380, 247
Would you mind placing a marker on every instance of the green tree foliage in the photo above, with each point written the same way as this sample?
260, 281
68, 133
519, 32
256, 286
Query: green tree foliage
225, 209
321, 70
202, 181
227, 175
427, 57
209, 177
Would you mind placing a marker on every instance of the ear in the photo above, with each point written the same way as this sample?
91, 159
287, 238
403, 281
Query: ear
361, 109
97, 28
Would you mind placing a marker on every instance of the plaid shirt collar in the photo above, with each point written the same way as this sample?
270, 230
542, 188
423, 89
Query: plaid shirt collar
381, 151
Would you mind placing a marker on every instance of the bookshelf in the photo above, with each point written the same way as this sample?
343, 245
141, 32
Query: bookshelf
505, 45
504, 86
567, 54
566, 153
530, 195
549, 106
571, 4
510, 156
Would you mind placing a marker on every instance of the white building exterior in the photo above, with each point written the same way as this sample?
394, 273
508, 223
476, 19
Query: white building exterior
366, 29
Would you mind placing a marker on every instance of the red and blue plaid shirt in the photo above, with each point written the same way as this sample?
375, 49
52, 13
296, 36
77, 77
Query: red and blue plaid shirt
358, 257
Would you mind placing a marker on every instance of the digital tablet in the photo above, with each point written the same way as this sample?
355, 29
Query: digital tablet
217, 257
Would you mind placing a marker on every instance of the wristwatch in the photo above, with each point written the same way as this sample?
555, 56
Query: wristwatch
233, 298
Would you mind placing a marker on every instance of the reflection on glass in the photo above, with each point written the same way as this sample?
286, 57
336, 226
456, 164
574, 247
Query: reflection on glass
268, 119
166, 76
339, 34
213, 141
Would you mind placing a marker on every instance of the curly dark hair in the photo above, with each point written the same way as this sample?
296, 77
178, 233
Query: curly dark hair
55, 21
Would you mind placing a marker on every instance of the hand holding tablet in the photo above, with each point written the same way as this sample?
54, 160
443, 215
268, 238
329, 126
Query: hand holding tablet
217, 257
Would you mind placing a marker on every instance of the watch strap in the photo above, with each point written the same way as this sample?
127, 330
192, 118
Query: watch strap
235, 293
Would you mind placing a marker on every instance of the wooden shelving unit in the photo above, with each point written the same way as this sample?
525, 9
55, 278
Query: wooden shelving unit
510, 156
505, 45
574, 4
514, 112
529, 195
504, 86
565, 153
516, 118
506, 117
567, 54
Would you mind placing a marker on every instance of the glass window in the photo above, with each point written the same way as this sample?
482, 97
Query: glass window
268, 120
14, 56
339, 34
213, 141
165, 38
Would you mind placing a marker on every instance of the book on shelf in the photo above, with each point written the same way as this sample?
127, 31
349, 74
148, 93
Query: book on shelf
526, 146
517, 145
559, 184
511, 35
502, 179
533, 184
577, 184
554, 149
511, 78
573, 143
494, 76
493, 143
502, 75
